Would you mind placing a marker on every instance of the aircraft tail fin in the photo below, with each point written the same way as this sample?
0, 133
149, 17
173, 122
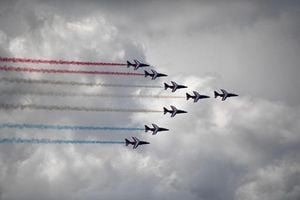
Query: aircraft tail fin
129, 64
147, 73
166, 86
147, 128
165, 110
217, 94
127, 142
188, 96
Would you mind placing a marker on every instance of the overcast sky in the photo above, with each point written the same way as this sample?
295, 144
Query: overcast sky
245, 148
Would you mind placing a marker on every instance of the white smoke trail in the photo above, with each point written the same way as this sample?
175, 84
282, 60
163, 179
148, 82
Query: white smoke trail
71, 108
72, 83
85, 94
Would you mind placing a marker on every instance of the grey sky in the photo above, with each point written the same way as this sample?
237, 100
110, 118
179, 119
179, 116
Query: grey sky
243, 148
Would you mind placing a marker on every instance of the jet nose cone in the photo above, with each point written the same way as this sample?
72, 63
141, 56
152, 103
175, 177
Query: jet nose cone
205, 97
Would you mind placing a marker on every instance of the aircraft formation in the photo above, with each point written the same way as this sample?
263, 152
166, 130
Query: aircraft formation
136, 65
173, 86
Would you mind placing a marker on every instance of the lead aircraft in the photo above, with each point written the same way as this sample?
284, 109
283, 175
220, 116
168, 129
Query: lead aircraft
224, 94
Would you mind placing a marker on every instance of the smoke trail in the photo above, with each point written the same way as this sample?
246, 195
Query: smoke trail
62, 62
65, 71
85, 94
70, 108
67, 127
50, 141
73, 83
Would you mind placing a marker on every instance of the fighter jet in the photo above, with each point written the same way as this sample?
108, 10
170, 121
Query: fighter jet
224, 94
196, 96
135, 143
137, 64
173, 111
155, 129
154, 74
174, 86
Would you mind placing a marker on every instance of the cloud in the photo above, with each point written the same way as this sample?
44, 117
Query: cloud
220, 145
279, 181
243, 148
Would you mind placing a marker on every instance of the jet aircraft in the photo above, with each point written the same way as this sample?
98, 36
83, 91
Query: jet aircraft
135, 143
155, 129
154, 74
224, 94
137, 64
174, 86
196, 96
173, 111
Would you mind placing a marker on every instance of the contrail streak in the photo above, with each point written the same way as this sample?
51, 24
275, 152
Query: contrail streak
51, 141
72, 83
66, 71
67, 127
70, 108
62, 62
85, 94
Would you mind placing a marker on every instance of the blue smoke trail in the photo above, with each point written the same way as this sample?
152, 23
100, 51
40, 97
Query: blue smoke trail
66, 127
50, 141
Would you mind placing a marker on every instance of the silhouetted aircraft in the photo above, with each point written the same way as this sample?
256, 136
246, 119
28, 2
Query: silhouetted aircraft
135, 143
137, 64
154, 74
173, 111
224, 94
174, 86
196, 96
155, 129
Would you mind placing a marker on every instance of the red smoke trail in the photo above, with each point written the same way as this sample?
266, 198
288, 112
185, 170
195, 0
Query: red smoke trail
65, 71
62, 62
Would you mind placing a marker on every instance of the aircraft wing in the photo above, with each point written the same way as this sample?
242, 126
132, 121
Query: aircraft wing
154, 74
155, 129
197, 96
175, 86
136, 142
225, 94
137, 64
224, 91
